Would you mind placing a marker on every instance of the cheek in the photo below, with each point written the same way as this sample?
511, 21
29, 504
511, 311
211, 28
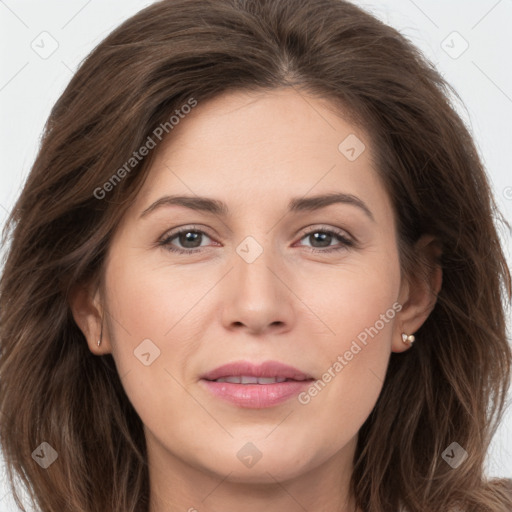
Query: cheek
358, 303
355, 362
146, 314
155, 309
150, 302
358, 351
360, 309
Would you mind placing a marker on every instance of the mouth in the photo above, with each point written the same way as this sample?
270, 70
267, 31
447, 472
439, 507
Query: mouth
251, 379
249, 385
247, 372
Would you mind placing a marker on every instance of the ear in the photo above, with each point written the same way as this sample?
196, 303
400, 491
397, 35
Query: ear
418, 292
85, 304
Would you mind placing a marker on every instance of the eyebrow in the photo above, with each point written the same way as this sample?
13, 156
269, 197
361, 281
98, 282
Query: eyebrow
298, 204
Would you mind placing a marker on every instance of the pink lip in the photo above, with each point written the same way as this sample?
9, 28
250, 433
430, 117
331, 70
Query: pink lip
256, 396
265, 369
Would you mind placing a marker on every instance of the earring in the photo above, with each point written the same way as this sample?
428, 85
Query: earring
408, 338
101, 333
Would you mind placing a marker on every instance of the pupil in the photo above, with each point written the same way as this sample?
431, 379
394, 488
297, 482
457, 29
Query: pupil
184, 240
322, 237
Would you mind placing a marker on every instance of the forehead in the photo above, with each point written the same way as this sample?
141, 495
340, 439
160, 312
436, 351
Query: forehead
262, 148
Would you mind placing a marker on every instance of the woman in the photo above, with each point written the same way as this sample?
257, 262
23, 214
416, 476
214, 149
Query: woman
255, 264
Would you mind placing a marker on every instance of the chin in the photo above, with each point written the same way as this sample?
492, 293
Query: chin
263, 463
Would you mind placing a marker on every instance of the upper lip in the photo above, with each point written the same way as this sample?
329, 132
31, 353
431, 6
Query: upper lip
265, 369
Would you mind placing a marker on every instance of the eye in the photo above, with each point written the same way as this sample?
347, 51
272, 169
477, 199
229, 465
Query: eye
324, 237
190, 239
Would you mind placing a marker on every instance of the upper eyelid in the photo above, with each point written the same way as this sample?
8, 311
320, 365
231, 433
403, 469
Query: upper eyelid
171, 233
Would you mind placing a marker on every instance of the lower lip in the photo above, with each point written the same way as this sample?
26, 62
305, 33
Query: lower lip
256, 396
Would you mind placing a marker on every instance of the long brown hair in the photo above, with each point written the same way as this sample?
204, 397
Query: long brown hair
450, 387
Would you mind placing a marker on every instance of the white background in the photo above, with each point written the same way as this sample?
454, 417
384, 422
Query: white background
482, 76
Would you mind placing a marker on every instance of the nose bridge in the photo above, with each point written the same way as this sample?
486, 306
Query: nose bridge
255, 259
257, 297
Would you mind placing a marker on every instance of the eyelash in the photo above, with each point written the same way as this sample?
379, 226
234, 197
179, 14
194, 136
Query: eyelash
347, 243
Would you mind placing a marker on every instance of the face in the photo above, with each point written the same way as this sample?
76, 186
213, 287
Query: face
277, 276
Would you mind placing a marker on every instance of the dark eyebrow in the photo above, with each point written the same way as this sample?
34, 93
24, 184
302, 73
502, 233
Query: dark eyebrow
220, 208
323, 200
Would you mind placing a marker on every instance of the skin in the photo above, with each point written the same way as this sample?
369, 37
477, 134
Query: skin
255, 152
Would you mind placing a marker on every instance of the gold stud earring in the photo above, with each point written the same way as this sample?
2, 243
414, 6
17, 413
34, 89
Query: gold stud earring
408, 339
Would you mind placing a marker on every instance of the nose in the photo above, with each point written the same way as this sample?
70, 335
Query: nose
257, 296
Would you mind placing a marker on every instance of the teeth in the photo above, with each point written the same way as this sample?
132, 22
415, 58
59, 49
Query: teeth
270, 380
251, 380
